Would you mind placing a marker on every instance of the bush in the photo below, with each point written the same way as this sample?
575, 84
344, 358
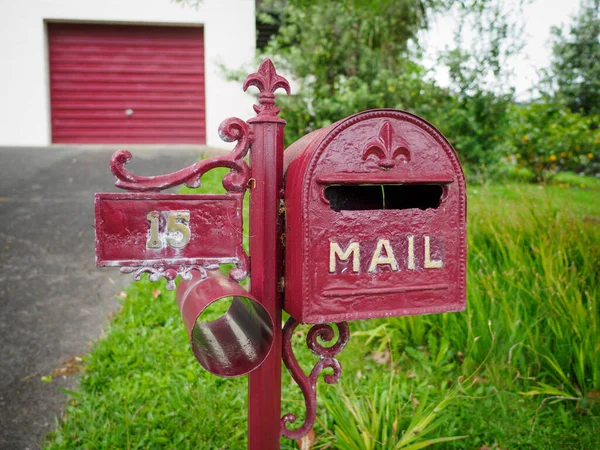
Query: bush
475, 127
315, 108
547, 138
493, 137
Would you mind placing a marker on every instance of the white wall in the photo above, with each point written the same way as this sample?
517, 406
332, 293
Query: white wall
229, 39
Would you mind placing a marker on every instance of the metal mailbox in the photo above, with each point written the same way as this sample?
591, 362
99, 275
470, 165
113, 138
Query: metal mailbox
368, 216
375, 221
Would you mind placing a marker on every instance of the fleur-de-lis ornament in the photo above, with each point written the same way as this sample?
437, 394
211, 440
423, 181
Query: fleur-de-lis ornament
383, 148
267, 81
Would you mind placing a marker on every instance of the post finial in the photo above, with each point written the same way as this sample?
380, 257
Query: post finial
267, 81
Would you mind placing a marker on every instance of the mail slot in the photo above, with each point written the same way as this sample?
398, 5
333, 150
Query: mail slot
375, 221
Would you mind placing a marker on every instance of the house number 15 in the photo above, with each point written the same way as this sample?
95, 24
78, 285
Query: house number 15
177, 233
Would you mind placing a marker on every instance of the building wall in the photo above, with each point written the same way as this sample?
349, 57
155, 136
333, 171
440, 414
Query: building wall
229, 39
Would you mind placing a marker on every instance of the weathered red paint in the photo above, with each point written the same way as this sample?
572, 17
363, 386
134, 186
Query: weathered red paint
122, 229
235, 343
235, 183
126, 83
264, 395
378, 147
308, 383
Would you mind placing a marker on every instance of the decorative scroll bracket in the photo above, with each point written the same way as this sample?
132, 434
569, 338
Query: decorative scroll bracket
235, 182
232, 129
308, 383
171, 272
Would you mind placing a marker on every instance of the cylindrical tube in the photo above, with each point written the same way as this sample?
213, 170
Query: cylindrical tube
239, 340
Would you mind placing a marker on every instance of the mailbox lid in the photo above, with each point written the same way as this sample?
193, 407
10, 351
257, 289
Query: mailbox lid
377, 147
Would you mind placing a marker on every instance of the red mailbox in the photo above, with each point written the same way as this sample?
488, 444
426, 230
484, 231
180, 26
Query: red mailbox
375, 226
375, 222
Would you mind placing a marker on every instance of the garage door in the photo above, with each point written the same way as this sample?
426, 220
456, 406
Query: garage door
126, 84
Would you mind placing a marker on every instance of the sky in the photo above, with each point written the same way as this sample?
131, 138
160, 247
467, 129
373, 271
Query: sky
537, 18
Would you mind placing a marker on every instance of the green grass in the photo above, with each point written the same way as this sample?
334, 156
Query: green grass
520, 368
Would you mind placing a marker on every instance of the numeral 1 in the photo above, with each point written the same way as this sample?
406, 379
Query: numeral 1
153, 241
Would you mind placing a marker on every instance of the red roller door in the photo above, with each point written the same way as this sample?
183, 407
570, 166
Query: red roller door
126, 84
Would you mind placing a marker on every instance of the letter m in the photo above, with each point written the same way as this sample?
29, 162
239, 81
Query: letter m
336, 252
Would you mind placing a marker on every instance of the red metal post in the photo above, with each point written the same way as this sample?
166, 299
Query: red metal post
266, 156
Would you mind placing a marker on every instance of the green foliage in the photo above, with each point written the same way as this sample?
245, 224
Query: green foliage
476, 116
575, 70
322, 42
494, 36
405, 90
350, 56
547, 138
533, 278
532, 282
143, 388
476, 126
387, 418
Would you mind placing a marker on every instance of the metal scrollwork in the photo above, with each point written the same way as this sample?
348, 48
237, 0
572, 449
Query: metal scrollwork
236, 181
232, 129
308, 383
170, 273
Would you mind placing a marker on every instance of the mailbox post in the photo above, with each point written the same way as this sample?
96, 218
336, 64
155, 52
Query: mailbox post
368, 214
264, 384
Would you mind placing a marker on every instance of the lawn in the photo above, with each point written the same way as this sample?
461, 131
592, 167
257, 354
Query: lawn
520, 368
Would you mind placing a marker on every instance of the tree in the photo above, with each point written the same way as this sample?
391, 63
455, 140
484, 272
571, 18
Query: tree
324, 41
479, 120
575, 68
352, 55
349, 55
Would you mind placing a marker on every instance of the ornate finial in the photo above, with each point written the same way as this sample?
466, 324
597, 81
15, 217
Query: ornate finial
383, 148
267, 81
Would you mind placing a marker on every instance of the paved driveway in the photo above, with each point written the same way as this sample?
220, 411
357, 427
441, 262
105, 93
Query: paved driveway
53, 300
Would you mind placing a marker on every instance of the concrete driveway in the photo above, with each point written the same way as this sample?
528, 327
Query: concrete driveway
53, 300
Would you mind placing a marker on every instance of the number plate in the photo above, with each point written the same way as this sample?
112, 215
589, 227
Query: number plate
167, 229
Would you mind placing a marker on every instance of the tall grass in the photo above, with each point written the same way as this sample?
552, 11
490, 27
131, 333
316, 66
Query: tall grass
484, 378
386, 420
533, 279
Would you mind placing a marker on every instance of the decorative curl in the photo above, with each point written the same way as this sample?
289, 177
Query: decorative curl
232, 129
308, 383
326, 334
169, 273
240, 271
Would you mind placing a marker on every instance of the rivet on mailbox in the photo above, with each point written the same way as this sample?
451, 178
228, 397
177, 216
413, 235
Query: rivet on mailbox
375, 221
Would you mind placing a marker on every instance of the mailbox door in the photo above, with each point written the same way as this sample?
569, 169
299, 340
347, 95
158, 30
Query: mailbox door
382, 222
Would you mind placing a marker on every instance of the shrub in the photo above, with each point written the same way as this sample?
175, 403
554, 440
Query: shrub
547, 138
